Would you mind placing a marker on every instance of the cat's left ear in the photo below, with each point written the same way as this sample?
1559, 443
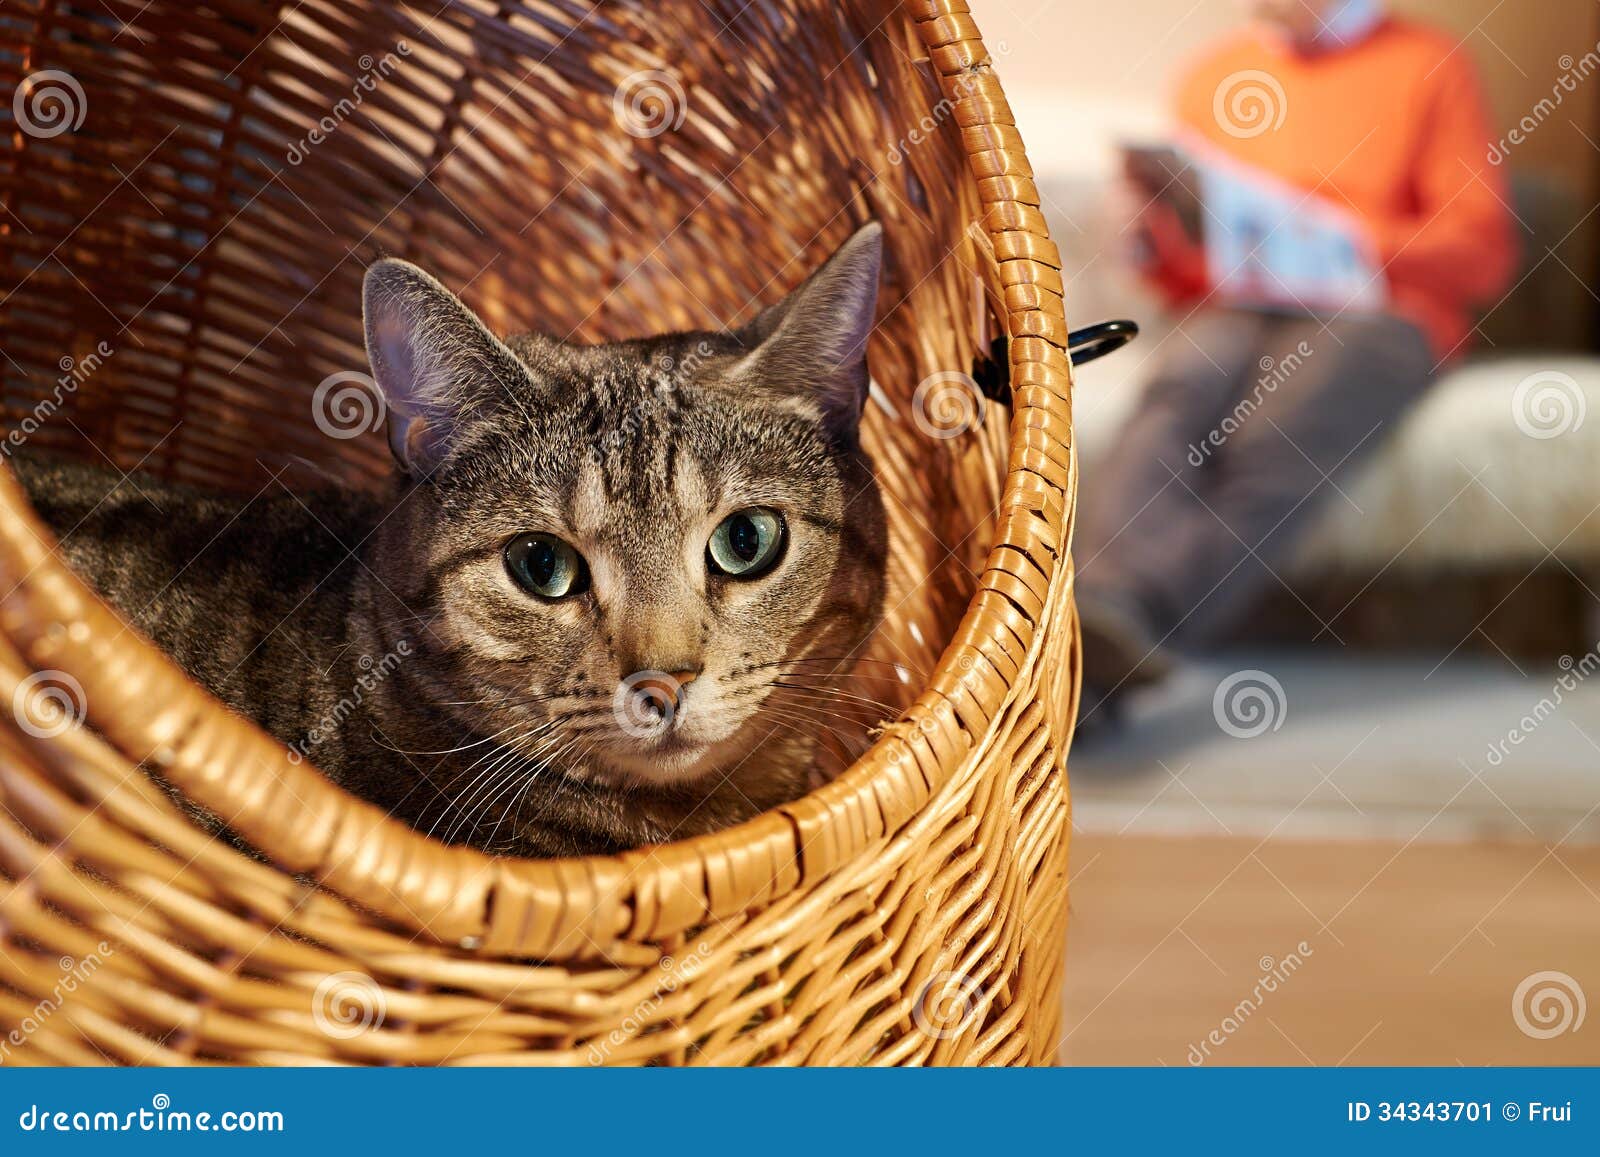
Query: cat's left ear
813, 343
432, 358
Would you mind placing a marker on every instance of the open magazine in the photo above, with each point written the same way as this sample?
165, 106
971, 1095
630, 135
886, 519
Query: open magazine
1267, 244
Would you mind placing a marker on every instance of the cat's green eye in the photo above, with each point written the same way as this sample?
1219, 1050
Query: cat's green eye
747, 543
543, 565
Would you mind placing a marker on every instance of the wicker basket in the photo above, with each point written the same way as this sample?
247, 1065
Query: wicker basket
189, 199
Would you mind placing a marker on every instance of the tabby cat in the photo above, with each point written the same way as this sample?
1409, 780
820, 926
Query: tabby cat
608, 600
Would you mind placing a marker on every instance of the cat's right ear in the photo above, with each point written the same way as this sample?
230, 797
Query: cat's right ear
813, 343
431, 359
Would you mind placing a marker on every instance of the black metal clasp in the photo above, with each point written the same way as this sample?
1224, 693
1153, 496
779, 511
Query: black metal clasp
1096, 341
992, 370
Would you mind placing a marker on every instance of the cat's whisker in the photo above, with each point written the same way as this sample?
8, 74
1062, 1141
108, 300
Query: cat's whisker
805, 727
494, 761
832, 690
521, 749
806, 708
524, 773
504, 700
381, 742
456, 801
890, 673
527, 783
844, 674
505, 773
838, 693
584, 750
504, 770
843, 660
821, 714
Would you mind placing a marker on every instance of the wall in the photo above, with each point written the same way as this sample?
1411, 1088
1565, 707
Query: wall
1082, 75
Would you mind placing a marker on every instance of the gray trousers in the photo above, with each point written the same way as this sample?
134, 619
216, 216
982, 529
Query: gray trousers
1242, 434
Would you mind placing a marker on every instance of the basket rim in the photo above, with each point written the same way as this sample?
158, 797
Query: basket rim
575, 908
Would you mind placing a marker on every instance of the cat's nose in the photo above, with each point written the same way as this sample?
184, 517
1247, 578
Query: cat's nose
656, 695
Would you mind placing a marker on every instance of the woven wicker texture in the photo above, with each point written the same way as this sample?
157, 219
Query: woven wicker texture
184, 244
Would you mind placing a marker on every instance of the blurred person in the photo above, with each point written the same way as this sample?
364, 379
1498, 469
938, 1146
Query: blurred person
1327, 223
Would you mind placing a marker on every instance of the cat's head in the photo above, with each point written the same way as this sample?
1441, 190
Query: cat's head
623, 550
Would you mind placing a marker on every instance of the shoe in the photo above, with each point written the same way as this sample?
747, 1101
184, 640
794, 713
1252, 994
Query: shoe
1100, 717
1120, 648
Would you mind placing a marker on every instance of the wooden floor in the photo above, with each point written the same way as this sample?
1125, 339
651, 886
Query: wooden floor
1374, 953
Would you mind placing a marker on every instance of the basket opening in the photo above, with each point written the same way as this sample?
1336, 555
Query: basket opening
634, 172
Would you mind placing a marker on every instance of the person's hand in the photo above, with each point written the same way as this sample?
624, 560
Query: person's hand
1166, 252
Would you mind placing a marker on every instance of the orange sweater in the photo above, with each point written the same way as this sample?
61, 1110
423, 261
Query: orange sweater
1395, 129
